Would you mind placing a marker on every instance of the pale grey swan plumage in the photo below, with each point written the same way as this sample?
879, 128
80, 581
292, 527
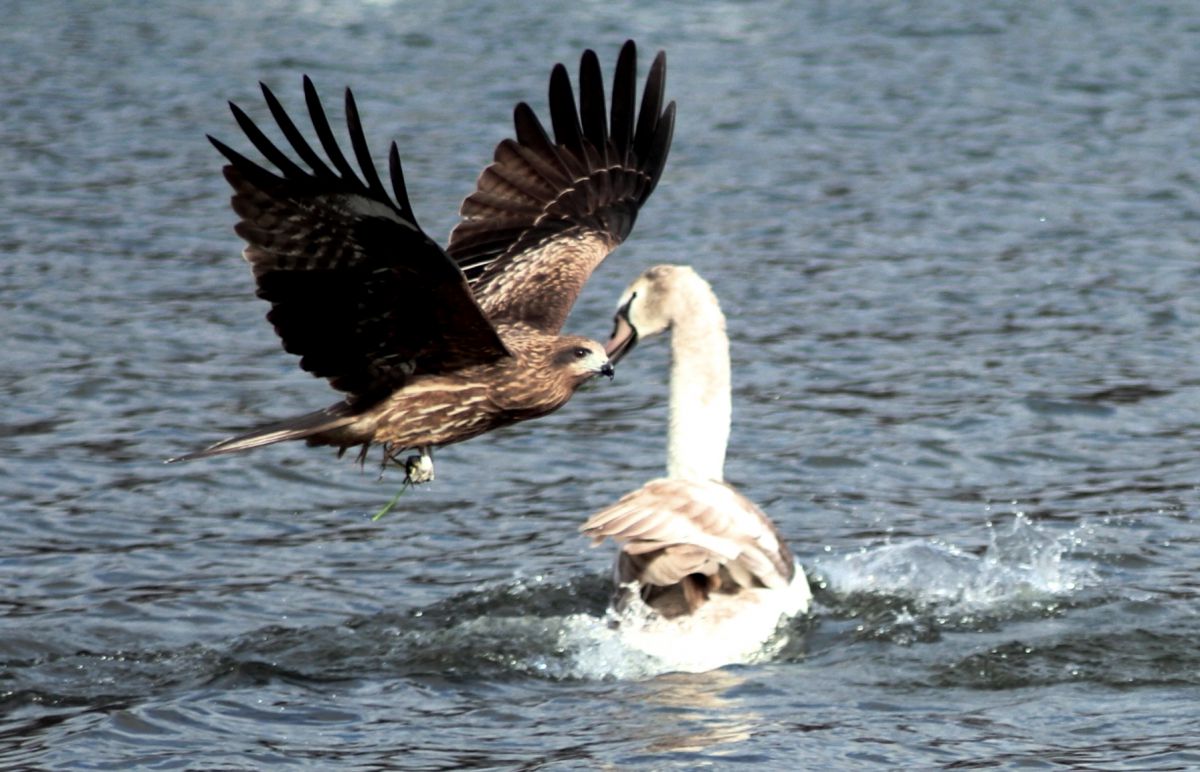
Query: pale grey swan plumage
697, 559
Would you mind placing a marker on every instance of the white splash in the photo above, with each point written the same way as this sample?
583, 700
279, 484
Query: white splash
1023, 563
748, 628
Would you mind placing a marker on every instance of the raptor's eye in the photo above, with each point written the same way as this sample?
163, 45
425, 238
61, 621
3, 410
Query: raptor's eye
581, 353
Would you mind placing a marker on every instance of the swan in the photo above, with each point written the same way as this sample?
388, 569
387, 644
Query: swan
703, 578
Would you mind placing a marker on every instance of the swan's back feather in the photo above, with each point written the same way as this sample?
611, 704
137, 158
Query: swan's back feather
676, 527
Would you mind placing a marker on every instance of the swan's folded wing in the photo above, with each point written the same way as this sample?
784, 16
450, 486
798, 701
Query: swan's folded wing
666, 566
545, 213
669, 515
356, 287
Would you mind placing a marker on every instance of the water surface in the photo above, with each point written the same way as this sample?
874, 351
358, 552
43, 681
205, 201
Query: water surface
957, 247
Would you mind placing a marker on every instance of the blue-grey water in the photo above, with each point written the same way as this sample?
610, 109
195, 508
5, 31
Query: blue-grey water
958, 245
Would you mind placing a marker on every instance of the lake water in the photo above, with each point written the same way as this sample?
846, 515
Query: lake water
957, 245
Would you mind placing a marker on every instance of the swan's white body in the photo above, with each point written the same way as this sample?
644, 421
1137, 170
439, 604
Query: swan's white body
727, 630
703, 578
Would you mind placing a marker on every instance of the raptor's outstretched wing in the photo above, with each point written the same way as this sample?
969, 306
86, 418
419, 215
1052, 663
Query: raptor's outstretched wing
356, 287
545, 213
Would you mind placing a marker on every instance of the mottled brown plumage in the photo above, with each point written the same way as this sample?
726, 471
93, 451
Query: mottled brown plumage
433, 347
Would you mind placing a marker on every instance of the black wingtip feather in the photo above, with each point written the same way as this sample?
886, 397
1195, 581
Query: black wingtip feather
591, 101
346, 178
624, 91
221, 147
530, 131
532, 134
319, 168
563, 116
242, 168
659, 149
264, 145
316, 111
651, 110
361, 152
396, 171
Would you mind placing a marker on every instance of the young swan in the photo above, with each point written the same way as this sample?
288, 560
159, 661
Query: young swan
697, 561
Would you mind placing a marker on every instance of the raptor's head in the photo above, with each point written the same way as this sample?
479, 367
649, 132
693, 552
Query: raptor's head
581, 358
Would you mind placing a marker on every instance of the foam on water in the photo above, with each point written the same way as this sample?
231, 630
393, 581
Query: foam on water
557, 630
907, 591
644, 645
585, 646
1024, 564
577, 646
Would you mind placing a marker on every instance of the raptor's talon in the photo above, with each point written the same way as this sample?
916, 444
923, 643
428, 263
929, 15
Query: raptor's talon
418, 469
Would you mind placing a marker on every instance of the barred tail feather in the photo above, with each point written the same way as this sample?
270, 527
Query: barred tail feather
295, 428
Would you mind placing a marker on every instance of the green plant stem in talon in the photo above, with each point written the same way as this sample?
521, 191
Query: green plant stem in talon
388, 507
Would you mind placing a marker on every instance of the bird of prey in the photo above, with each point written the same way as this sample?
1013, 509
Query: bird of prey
433, 346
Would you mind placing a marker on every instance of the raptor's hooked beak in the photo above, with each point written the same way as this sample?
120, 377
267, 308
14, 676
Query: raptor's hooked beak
624, 335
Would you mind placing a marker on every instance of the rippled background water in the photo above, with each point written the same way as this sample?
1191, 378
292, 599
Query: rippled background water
957, 245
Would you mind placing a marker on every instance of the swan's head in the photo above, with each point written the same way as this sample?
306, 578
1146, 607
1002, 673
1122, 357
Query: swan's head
649, 306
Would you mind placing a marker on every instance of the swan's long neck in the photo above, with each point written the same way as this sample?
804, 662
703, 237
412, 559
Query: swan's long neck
700, 398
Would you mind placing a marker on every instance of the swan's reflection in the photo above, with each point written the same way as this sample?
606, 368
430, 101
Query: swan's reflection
694, 712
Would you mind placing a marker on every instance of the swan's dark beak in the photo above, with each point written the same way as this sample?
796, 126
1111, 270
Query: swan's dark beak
624, 336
